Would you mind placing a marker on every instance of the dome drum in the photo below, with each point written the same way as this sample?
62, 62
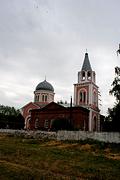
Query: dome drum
44, 93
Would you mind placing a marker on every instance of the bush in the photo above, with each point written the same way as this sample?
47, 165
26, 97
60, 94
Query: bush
61, 124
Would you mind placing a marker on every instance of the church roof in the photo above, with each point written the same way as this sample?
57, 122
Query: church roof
45, 86
86, 64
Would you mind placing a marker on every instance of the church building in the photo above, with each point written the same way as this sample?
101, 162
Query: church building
84, 114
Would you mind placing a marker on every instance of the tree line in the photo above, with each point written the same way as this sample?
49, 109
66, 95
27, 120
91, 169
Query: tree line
10, 118
112, 120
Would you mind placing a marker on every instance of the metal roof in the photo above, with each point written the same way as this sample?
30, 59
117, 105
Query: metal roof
45, 86
86, 64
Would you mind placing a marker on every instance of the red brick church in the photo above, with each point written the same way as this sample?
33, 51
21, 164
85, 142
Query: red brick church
83, 113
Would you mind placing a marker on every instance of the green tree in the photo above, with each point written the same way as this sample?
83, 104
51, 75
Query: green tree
114, 113
116, 85
61, 124
10, 118
7, 110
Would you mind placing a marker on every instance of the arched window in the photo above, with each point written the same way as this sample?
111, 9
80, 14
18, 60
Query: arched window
27, 122
36, 98
36, 123
83, 96
45, 98
80, 96
83, 75
51, 122
42, 98
89, 75
46, 124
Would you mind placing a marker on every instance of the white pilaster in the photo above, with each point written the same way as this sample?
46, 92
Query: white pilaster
90, 120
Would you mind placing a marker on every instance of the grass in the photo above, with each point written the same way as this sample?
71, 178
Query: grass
31, 159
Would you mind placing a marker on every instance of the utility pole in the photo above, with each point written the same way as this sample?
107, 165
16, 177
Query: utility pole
71, 123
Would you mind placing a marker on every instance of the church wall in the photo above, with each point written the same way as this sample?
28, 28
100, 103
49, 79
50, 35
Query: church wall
94, 120
79, 117
26, 112
81, 120
27, 108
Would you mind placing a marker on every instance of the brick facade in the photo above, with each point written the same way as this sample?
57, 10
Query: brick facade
27, 114
79, 116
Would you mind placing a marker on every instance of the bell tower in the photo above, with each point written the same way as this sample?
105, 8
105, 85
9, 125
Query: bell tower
86, 93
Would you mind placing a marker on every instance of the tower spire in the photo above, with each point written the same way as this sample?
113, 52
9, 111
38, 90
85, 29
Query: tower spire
86, 64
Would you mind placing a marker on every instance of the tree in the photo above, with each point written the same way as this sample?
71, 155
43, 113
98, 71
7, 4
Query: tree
10, 118
7, 110
61, 124
114, 113
116, 85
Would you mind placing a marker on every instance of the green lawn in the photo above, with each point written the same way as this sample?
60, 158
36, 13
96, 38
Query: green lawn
44, 159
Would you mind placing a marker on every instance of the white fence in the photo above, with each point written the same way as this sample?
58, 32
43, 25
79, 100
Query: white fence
30, 134
111, 137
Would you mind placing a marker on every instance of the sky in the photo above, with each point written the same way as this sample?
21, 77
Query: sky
49, 38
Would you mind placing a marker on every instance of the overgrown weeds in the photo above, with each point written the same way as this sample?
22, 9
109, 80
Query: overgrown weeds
22, 158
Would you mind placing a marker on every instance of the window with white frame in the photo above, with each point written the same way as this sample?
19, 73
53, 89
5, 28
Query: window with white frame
89, 75
37, 123
45, 98
36, 98
83, 96
94, 98
83, 75
51, 122
46, 123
